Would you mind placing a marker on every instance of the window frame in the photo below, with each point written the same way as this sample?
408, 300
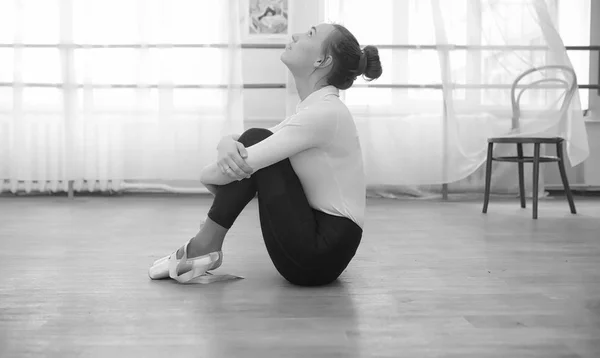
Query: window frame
474, 58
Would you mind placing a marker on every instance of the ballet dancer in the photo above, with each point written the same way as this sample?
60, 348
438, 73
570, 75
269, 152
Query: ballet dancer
307, 171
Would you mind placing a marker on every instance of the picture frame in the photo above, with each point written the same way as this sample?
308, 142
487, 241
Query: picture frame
265, 20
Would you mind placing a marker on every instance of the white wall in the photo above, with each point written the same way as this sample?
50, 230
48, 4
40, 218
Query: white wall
265, 107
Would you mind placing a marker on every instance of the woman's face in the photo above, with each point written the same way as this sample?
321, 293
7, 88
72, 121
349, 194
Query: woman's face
303, 54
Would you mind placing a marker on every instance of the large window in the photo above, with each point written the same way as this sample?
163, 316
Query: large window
115, 47
369, 31
410, 25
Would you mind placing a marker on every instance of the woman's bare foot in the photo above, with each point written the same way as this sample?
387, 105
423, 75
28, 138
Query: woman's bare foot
198, 248
209, 239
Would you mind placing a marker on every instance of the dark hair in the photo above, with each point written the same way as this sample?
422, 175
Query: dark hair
349, 61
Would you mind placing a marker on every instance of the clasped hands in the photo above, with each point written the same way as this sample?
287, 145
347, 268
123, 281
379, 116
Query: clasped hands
231, 159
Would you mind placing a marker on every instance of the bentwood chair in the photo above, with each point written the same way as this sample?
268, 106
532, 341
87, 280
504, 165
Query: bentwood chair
570, 86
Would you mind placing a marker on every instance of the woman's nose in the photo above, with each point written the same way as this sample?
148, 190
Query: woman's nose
295, 37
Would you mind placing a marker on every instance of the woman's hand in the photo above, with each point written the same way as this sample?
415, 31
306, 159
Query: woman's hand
231, 159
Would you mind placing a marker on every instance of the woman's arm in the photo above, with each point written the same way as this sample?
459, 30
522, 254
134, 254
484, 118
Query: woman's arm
235, 137
211, 188
308, 129
212, 175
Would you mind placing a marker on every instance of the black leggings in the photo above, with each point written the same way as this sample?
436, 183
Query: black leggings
307, 247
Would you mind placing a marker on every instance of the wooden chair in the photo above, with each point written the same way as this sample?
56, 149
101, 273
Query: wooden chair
536, 159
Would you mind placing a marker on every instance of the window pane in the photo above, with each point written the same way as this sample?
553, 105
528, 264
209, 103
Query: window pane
7, 21
41, 65
196, 21
41, 21
508, 22
368, 96
458, 66
579, 11
6, 64
421, 30
424, 67
455, 20
421, 26
581, 64
425, 97
198, 99
370, 24
106, 66
151, 21
42, 99
106, 21
192, 66
6, 98
130, 66
110, 99
135, 100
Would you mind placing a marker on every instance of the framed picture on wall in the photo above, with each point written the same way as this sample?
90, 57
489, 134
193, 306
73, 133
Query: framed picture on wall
266, 19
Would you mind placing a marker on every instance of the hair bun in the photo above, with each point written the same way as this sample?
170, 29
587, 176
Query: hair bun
373, 67
362, 63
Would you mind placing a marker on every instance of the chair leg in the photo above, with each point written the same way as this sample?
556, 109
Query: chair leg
536, 178
521, 175
488, 177
563, 176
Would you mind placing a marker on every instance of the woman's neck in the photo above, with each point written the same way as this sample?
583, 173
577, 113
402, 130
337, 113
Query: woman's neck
306, 86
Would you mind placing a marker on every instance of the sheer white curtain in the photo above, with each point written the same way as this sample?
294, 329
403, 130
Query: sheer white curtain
452, 67
101, 91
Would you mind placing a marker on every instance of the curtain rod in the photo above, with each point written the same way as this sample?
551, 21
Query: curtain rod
281, 46
278, 85
162, 86
469, 86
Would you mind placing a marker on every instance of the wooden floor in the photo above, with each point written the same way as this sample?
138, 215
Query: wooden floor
431, 279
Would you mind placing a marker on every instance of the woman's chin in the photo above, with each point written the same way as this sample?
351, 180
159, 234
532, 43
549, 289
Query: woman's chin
284, 57
290, 61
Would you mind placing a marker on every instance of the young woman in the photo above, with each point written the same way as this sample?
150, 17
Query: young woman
307, 171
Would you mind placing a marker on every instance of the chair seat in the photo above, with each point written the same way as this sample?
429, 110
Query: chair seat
525, 159
526, 140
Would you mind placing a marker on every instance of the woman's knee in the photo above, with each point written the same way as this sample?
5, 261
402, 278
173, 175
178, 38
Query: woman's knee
253, 136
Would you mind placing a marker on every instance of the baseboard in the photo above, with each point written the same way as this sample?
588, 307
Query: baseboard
574, 187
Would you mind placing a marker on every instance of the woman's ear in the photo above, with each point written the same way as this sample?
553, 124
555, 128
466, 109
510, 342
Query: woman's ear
323, 62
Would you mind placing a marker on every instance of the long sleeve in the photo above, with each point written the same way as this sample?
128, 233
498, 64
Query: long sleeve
309, 128
321, 140
306, 129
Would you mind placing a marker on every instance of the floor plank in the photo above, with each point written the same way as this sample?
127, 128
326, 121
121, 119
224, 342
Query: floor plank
431, 279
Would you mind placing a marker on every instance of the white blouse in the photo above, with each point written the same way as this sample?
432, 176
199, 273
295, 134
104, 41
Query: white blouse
322, 143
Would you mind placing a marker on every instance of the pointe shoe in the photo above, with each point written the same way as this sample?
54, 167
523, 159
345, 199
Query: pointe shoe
185, 270
160, 268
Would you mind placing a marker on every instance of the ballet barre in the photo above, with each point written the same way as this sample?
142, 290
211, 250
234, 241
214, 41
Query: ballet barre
282, 46
271, 86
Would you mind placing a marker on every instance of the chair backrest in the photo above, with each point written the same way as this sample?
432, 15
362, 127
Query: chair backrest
569, 84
